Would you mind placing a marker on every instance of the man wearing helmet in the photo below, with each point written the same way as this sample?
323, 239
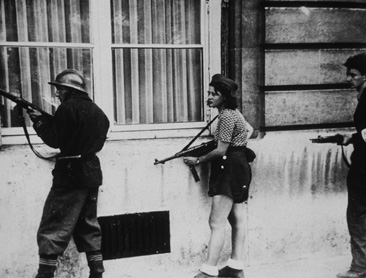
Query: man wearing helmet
79, 129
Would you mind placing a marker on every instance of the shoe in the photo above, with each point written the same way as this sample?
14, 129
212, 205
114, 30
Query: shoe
351, 274
227, 271
98, 275
203, 275
44, 275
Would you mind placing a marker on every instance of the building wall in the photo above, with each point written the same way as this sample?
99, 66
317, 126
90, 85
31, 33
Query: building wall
305, 47
296, 207
289, 79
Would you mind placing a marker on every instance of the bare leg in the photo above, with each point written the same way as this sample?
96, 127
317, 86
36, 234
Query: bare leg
238, 233
221, 207
235, 264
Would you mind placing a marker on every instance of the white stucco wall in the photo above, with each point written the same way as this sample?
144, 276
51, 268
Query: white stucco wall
296, 208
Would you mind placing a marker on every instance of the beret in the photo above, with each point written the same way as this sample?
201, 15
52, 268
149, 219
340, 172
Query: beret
219, 78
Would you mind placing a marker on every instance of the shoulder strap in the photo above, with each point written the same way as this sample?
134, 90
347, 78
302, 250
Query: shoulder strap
199, 134
22, 122
345, 158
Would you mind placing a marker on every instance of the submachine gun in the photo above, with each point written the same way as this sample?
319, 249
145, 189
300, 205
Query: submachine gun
195, 151
23, 104
335, 139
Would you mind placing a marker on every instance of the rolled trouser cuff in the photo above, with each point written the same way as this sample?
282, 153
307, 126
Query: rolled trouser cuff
95, 262
47, 266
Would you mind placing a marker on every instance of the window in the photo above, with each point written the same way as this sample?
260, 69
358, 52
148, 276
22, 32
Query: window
40, 41
146, 63
157, 61
305, 80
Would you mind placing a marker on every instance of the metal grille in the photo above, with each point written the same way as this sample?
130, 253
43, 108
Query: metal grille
136, 234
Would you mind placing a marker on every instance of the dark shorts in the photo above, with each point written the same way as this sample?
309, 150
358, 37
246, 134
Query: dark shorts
231, 176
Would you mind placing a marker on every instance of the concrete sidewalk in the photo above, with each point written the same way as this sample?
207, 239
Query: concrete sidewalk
305, 268
309, 268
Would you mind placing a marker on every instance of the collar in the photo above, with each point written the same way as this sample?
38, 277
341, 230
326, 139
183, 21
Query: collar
361, 90
83, 96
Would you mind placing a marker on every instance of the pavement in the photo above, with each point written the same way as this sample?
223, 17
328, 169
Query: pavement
327, 267
306, 268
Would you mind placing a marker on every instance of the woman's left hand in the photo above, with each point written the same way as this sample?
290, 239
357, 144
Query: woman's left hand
189, 160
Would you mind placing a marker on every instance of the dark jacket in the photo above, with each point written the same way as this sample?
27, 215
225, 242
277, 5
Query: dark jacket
79, 127
359, 153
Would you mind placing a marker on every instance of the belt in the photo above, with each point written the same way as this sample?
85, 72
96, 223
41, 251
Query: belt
84, 157
236, 149
69, 157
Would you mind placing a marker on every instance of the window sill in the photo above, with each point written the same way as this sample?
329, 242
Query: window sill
15, 136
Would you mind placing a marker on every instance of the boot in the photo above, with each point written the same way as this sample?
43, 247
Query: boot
95, 263
351, 274
42, 275
96, 275
47, 267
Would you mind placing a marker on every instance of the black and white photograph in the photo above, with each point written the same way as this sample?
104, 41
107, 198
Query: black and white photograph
182, 139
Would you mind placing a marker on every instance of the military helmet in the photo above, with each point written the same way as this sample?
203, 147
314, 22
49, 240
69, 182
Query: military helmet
70, 78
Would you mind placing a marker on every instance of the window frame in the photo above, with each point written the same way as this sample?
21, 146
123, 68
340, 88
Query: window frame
102, 73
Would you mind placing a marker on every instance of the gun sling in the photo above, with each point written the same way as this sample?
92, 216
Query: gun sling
23, 104
207, 146
22, 122
345, 158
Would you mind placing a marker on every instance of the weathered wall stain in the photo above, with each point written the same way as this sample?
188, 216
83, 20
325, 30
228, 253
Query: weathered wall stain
296, 206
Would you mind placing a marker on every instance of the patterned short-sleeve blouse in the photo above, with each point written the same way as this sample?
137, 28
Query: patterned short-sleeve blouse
232, 128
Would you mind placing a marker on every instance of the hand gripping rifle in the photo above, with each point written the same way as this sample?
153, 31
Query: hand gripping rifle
23, 104
196, 151
337, 139
334, 139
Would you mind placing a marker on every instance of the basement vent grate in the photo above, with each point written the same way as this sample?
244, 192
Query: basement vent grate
138, 234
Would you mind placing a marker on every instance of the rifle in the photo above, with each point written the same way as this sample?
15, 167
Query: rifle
337, 139
23, 104
195, 151
334, 139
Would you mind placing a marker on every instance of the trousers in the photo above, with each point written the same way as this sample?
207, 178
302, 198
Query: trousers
67, 213
356, 216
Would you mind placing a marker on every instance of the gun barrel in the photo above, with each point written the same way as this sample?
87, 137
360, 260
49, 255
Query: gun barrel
162, 161
335, 139
23, 103
8, 95
195, 151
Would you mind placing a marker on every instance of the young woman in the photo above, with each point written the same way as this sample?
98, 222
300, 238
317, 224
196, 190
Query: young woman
229, 179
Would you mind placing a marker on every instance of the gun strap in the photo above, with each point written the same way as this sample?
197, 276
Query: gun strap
192, 168
345, 158
199, 134
22, 121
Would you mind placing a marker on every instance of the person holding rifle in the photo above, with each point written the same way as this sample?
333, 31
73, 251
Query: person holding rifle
356, 178
229, 179
79, 129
